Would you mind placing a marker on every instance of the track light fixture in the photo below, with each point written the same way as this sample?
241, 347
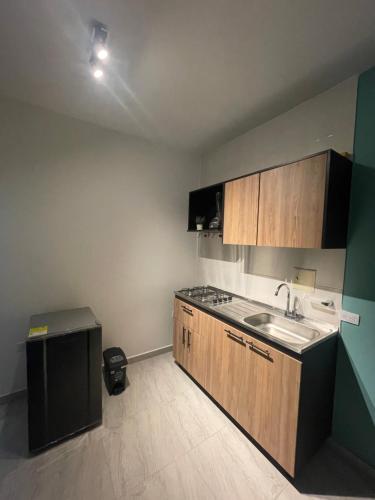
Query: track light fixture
98, 49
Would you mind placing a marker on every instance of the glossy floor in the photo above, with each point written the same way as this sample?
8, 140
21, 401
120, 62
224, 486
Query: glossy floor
163, 439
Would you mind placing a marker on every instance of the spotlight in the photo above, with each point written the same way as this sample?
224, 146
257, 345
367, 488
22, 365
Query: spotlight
96, 69
97, 72
101, 52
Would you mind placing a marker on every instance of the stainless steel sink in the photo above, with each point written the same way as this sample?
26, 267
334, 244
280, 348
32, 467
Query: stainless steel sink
290, 332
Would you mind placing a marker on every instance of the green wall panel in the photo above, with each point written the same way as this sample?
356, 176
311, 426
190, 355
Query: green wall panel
354, 412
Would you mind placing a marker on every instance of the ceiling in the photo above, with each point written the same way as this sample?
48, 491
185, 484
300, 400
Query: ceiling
188, 73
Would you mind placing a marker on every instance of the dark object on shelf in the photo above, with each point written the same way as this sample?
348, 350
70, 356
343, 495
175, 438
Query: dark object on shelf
216, 221
115, 363
63, 376
202, 202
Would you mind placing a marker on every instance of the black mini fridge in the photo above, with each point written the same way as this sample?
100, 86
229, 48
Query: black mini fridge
63, 376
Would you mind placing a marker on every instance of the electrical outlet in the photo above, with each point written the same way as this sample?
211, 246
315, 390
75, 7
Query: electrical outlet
350, 317
304, 279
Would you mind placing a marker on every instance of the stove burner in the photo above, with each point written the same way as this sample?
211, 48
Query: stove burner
207, 295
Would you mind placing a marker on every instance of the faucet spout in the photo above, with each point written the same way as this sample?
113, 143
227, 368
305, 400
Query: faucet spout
288, 312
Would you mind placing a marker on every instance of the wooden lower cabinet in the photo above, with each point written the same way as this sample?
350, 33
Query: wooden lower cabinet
195, 356
233, 366
179, 342
210, 330
284, 403
259, 387
189, 350
268, 409
187, 314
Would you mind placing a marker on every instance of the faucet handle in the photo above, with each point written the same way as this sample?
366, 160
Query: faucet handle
296, 303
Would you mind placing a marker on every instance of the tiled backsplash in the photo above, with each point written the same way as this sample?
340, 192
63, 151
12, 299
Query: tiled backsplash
254, 272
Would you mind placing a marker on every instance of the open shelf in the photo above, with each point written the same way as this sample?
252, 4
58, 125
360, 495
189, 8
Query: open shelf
203, 202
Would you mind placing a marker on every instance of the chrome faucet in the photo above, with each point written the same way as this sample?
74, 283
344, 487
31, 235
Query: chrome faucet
288, 313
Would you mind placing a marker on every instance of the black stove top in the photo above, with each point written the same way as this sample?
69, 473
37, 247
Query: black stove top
207, 294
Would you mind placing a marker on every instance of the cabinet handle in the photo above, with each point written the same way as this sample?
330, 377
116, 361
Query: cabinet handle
187, 310
183, 335
263, 352
189, 343
233, 336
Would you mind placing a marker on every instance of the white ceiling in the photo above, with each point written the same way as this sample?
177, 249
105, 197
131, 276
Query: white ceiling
190, 73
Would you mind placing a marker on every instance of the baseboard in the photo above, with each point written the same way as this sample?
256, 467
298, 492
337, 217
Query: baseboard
149, 354
6, 398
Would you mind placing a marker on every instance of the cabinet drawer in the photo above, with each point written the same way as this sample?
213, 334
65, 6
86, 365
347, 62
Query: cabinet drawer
186, 314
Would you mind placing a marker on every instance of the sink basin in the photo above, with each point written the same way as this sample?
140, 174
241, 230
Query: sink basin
282, 329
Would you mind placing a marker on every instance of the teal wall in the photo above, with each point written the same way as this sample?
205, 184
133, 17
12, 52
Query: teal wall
354, 412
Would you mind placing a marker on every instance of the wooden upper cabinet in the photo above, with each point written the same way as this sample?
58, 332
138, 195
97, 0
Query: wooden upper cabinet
291, 204
241, 211
306, 204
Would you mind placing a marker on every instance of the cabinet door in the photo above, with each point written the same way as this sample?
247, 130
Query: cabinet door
211, 329
233, 367
270, 414
291, 204
179, 342
241, 211
195, 356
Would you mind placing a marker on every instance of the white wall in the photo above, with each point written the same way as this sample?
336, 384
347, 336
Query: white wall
326, 121
89, 217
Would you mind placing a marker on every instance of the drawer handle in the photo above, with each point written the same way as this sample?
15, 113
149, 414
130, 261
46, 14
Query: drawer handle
189, 334
263, 352
187, 310
233, 336
183, 335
